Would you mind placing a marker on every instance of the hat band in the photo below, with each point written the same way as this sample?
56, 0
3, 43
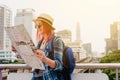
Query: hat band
46, 20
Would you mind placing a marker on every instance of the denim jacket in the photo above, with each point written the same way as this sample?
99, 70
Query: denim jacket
52, 73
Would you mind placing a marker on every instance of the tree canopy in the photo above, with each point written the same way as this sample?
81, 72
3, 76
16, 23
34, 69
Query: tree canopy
113, 57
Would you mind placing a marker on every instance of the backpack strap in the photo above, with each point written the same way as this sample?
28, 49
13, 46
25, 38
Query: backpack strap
52, 43
51, 53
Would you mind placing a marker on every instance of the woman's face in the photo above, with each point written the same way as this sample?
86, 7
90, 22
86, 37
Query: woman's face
39, 27
43, 27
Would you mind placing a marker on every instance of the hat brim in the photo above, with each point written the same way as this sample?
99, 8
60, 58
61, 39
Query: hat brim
38, 20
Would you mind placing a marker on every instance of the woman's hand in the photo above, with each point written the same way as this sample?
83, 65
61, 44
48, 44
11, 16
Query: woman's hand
40, 55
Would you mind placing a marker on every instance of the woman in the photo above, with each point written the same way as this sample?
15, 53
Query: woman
52, 65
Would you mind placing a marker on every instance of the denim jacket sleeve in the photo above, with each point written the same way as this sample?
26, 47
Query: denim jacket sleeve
58, 52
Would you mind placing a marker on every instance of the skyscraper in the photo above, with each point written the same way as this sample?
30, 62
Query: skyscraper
5, 20
78, 33
25, 16
119, 34
112, 42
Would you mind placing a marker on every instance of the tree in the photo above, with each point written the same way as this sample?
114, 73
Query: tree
113, 57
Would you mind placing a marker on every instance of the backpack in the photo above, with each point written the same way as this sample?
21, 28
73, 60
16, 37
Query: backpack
68, 60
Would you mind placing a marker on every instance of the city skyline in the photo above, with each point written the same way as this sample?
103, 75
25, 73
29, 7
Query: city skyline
94, 16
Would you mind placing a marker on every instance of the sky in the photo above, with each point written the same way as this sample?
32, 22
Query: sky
93, 16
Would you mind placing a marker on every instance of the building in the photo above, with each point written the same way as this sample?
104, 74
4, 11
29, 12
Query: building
7, 55
5, 43
26, 16
119, 34
78, 37
112, 42
88, 49
5, 21
65, 35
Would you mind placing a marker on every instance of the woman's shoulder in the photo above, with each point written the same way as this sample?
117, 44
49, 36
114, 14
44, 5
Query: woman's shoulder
58, 41
57, 38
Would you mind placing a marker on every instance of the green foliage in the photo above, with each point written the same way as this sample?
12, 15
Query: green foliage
4, 61
16, 62
113, 57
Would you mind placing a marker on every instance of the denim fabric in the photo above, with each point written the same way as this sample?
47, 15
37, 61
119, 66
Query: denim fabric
50, 73
37, 78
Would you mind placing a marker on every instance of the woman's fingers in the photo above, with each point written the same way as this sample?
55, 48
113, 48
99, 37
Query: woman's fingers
40, 54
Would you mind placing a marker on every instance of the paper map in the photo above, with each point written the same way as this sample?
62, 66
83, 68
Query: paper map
20, 40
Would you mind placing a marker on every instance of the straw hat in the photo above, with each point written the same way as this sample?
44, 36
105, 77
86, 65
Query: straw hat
46, 18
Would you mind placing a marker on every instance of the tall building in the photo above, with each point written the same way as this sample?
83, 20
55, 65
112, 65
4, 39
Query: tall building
87, 48
112, 42
5, 20
119, 34
5, 43
78, 33
25, 16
